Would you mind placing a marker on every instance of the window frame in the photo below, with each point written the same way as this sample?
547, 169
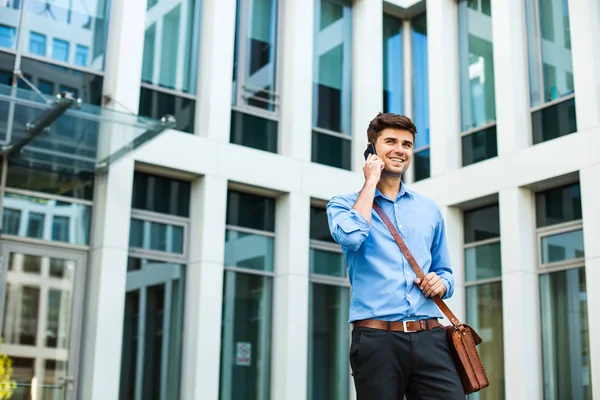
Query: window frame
551, 230
470, 245
257, 232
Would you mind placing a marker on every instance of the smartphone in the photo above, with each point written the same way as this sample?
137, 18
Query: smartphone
370, 150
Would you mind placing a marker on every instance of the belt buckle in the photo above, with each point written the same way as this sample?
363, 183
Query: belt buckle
404, 326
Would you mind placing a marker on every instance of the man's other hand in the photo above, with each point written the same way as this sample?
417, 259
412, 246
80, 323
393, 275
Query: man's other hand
432, 285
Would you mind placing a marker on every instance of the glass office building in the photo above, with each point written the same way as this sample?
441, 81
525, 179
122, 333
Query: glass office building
166, 166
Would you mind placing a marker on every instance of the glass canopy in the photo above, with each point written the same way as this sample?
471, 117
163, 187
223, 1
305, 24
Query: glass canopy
62, 133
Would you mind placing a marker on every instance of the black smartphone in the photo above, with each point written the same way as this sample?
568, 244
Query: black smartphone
370, 150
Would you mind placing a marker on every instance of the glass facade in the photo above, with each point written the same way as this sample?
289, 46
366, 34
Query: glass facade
393, 77
247, 297
483, 281
420, 92
332, 81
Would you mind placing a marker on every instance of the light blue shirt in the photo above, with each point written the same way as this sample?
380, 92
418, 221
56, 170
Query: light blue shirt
382, 280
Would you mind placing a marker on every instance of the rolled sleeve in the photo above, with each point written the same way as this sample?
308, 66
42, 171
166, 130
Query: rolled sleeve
348, 228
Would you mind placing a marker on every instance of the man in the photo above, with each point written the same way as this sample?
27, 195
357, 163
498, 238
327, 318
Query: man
398, 345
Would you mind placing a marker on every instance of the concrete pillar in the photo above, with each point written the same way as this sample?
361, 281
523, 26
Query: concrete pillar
296, 69
290, 306
444, 95
590, 198
367, 73
215, 71
204, 290
103, 332
453, 218
584, 16
520, 304
511, 65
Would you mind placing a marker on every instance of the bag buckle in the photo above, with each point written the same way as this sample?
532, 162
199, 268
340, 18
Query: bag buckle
405, 327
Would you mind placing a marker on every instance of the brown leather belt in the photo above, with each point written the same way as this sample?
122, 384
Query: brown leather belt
399, 326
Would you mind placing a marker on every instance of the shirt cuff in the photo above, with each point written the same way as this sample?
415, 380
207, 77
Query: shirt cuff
447, 284
361, 222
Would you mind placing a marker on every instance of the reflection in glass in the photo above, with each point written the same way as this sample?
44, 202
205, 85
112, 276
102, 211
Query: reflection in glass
483, 262
331, 150
58, 320
71, 24
327, 263
246, 250
328, 370
422, 166
421, 90
479, 146
482, 223
484, 313
11, 221
156, 236
550, 77
23, 373
565, 335
562, 247
319, 225
152, 326
554, 121
53, 382
557, 205
171, 46
250, 211
253, 131
9, 28
393, 87
161, 194
255, 61
478, 104
37, 44
22, 307
246, 337
34, 211
156, 105
332, 72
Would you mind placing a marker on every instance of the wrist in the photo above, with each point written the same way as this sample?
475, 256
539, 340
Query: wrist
371, 182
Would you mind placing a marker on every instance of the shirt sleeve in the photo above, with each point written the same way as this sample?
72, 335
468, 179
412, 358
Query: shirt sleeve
440, 257
348, 228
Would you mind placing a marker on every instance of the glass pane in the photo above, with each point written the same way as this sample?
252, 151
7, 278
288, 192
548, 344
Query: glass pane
327, 263
421, 163
11, 221
482, 223
33, 212
152, 326
483, 262
479, 146
23, 374
562, 247
171, 54
319, 226
7, 65
420, 84
557, 205
246, 337
37, 44
328, 368
393, 85
332, 72
156, 105
554, 121
58, 321
252, 131
250, 211
156, 236
11, 12
245, 250
478, 104
484, 313
331, 150
565, 335
161, 194
73, 22
53, 384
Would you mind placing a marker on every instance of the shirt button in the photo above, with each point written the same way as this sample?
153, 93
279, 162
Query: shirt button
400, 226
408, 295
408, 273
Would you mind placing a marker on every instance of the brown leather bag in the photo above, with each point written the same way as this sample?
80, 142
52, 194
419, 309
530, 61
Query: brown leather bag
462, 339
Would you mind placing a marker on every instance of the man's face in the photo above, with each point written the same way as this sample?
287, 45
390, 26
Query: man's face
395, 147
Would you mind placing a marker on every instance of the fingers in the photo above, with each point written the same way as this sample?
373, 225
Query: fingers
431, 284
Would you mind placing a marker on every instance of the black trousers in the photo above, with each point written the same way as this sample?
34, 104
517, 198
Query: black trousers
390, 365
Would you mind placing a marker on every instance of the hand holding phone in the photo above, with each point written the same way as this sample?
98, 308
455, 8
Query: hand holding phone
370, 150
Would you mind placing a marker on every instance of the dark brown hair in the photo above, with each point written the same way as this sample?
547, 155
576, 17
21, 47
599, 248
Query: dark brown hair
388, 120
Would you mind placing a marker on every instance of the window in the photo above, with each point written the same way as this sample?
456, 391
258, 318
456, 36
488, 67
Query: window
393, 77
478, 103
420, 93
155, 288
247, 297
37, 44
332, 76
170, 62
255, 99
329, 300
8, 36
60, 50
563, 294
550, 69
81, 55
483, 281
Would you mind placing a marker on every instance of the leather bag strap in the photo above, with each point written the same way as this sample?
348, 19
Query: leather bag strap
413, 263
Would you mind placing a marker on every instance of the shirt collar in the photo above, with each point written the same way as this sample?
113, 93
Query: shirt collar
403, 191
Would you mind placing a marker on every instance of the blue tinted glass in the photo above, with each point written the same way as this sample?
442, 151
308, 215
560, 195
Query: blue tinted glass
7, 36
393, 88
81, 55
60, 50
420, 81
37, 44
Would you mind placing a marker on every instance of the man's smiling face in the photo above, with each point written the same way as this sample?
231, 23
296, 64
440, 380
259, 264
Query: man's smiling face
395, 147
